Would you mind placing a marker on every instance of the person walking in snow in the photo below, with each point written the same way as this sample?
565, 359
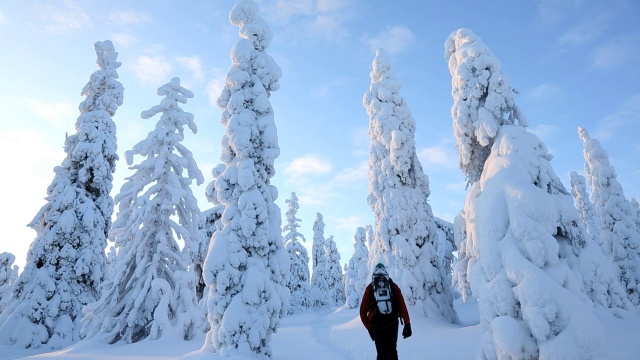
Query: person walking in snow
381, 307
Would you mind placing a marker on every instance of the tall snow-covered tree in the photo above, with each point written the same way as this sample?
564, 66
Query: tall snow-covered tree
335, 278
398, 191
247, 266
585, 208
618, 230
357, 271
66, 262
319, 274
370, 241
299, 281
521, 233
8, 275
483, 100
151, 293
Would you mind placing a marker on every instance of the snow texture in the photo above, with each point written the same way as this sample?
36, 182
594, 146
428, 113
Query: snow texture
357, 271
483, 100
151, 294
618, 219
518, 226
405, 231
319, 275
8, 276
247, 266
299, 282
66, 262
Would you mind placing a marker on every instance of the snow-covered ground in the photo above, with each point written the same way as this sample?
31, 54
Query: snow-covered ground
339, 335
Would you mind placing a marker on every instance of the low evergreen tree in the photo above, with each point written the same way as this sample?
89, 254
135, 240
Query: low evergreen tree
357, 272
151, 293
335, 278
319, 275
8, 275
299, 282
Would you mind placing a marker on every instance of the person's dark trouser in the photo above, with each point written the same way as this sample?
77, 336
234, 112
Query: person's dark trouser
386, 339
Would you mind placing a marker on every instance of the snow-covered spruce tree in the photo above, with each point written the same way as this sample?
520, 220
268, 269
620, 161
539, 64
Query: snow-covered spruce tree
398, 193
299, 282
209, 224
335, 278
66, 262
483, 100
618, 230
8, 276
151, 294
319, 275
357, 272
370, 241
247, 266
521, 231
585, 208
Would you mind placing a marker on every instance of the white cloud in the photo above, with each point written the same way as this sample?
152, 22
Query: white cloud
629, 113
544, 92
59, 20
193, 64
3, 19
393, 39
349, 223
325, 89
351, 175
544, 131
439, 156
586, 30
310, 164
153, 70
59, 114
311, 19
617, 51
124, 40
128, 17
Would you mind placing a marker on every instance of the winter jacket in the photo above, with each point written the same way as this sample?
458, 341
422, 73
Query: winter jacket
368, 308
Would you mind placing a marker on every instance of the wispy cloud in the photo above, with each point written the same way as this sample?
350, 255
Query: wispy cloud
310, 164
214, 88
350, 223
587, 30
629, 113
311, 19
63, 19
545, 131
326, 88
350, 175
544, 92
122, 40
394, 39
438, 156
152, 70
58, 114
617, 51
128, 17
193, 64
3, 18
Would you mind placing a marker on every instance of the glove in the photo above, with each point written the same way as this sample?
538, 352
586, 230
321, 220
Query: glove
406, 331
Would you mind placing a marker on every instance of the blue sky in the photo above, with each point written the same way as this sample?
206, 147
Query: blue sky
573, 61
